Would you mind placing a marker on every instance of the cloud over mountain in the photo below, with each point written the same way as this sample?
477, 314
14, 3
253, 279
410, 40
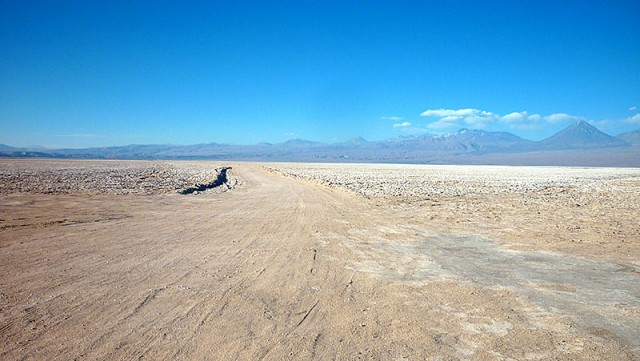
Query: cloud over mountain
448, 119
633, 119
561, 117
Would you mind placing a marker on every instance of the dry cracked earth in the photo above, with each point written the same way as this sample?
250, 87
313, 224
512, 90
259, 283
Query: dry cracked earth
107, 260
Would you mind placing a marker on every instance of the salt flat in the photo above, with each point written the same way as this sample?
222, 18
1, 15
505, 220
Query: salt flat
302, 261
588, 211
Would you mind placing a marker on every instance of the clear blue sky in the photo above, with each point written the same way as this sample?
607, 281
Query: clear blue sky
95, 73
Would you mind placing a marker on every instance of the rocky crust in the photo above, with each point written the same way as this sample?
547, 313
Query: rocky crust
103, 177
588, 211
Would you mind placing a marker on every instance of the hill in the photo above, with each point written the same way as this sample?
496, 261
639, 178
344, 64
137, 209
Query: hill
630, 137
578, 144
580, 135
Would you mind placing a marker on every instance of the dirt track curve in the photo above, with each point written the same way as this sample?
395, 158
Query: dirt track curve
283, 268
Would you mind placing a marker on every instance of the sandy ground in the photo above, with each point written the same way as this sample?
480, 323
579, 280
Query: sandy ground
281, 267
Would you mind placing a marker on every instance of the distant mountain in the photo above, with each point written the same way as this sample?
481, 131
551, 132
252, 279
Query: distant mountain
431, 143
480, 140
462, 141
580, 135
6, 148
578, 144
300, 143
133, 151
630, 137
356, 141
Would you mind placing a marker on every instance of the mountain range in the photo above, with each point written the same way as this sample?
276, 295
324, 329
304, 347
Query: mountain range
579, 144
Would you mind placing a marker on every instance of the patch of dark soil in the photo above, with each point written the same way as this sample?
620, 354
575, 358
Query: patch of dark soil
221, 179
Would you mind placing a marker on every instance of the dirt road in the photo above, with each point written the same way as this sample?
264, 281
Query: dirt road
282, 268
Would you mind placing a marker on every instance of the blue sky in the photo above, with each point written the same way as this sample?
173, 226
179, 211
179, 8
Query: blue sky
89, 73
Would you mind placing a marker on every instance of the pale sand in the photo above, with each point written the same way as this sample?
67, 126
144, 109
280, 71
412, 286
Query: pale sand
286, 268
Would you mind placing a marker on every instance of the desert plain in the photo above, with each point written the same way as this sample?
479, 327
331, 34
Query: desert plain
107, 260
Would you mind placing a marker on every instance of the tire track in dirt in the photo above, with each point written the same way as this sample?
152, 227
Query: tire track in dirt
269, 270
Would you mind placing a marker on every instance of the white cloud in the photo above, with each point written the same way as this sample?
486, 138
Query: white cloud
442, 125
634, 119
514, 117
602, 124
522, 120
452, 118
517, 117
401, 125
450, 112
561, 117
534, 117
632, 108
395, 119
476, 118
